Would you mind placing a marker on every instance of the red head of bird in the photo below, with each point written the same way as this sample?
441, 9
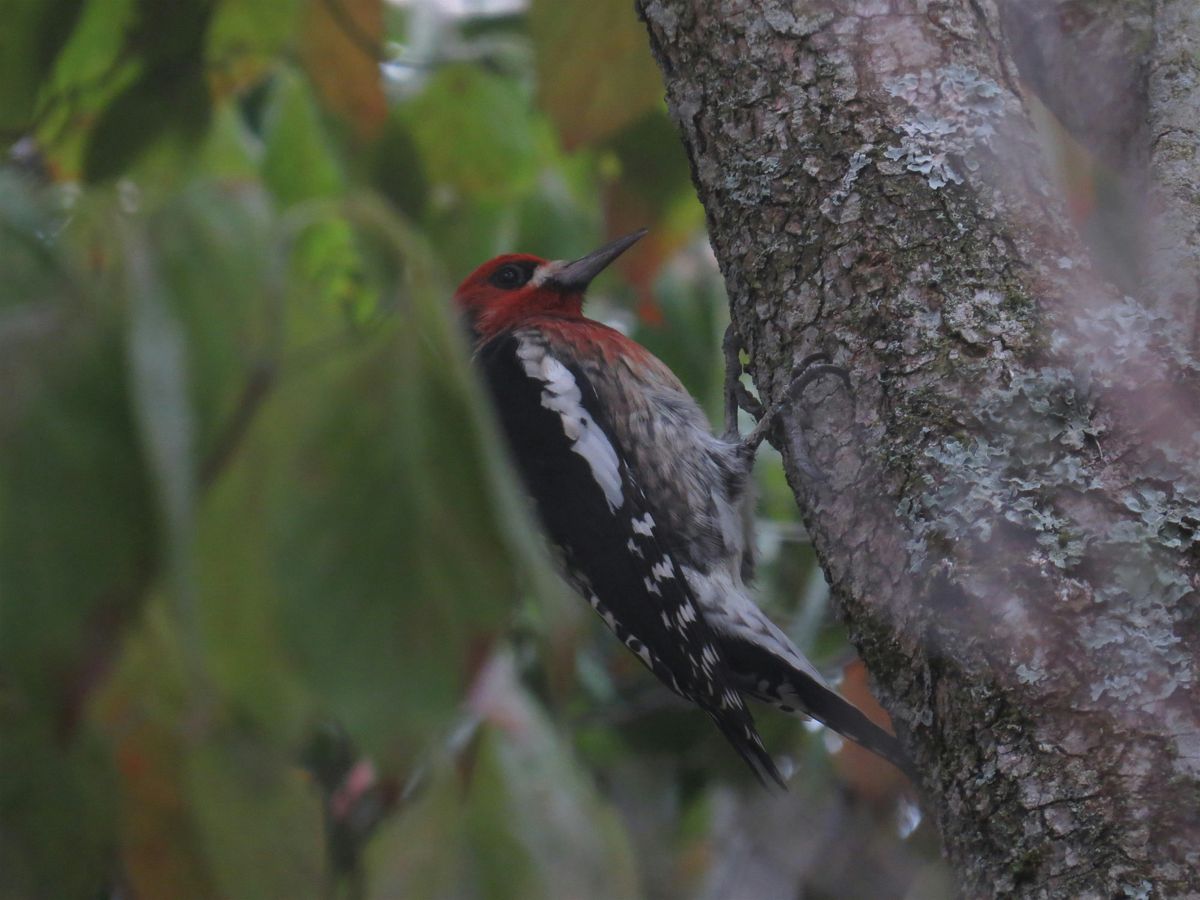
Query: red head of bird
507, 289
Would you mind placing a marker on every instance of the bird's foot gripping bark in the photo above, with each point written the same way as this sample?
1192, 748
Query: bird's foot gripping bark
736, 395
804, 373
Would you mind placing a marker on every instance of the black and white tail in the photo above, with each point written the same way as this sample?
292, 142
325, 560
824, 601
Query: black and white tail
789, 683
739, 730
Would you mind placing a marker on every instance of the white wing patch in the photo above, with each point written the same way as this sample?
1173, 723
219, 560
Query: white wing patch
643, 526
561, 394
662, 570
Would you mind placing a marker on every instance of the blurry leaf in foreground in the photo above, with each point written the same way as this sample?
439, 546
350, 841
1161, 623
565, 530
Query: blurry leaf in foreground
383, 593
90, 70
595, 73
396, 167
299, 162
160, 396
229, 152
147, 113
395, 548
168, 106
208, 806
258, 817
33, 33
58, 830
526, 823
71, 482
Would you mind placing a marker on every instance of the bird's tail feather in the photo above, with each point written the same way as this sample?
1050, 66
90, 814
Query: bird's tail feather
835, 711
741, 733
771, 678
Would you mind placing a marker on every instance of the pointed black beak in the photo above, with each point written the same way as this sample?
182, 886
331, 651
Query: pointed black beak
577, 275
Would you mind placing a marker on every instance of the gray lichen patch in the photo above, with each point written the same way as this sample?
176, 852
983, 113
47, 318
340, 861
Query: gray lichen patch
1023, 485
1022, 450
954, 112
844, 204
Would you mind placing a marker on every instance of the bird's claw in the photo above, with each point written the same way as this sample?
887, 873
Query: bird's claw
736, 396
810, 369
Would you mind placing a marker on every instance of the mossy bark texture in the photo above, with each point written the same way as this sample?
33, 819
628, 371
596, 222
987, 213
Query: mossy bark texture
1010, 509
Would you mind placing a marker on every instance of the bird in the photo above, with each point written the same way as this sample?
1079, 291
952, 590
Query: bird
646, 508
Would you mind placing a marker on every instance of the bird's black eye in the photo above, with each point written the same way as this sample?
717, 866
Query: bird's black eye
512, 275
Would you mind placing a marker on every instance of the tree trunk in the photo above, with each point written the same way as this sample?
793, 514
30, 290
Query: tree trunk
1010, 517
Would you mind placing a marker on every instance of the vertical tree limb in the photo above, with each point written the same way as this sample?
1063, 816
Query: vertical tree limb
1174, 126
1123, 77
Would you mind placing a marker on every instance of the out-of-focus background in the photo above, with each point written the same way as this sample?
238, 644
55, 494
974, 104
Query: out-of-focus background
273, 619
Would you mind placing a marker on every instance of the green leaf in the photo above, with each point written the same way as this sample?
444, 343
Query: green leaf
230, 150
245, 37
60, 812
475, 133
299, 163
76, 527
71, 482
211, 804
397, 531
90, 71
377, 599
526, 824
156, 345
33, 33
168, 106
396, 167
258, 820
91, 51
168, 109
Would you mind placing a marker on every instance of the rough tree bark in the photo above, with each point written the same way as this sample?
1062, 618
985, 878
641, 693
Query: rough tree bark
1011, 515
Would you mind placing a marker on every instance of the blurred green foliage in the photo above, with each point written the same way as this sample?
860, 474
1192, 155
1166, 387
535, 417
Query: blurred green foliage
273, 619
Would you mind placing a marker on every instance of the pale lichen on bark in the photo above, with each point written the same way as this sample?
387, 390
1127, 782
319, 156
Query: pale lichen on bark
1012, 509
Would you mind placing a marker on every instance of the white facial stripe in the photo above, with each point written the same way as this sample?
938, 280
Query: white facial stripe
562, 395
544, 271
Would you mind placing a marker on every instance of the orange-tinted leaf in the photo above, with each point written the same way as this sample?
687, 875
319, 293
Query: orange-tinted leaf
594, 69
871, 778
655, 191
157, 840
340, 45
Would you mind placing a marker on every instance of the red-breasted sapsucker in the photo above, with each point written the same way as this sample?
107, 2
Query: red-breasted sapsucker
643, 501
